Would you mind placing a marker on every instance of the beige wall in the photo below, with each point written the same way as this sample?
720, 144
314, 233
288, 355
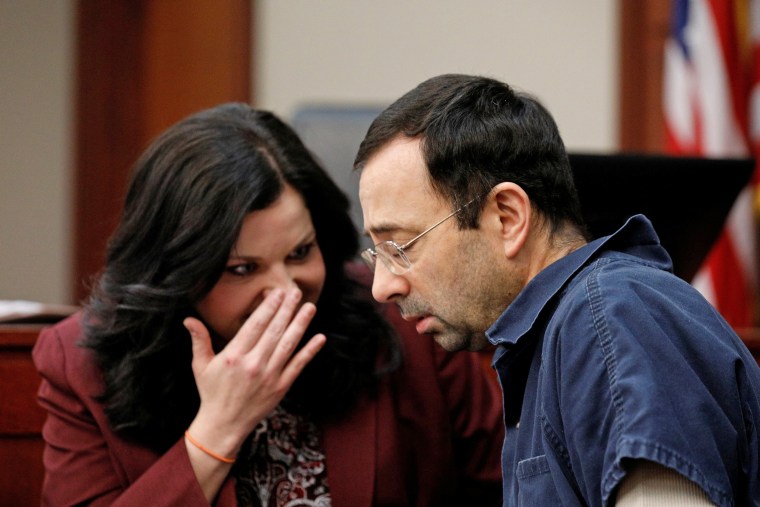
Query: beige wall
564, 52
306, 52
36, 136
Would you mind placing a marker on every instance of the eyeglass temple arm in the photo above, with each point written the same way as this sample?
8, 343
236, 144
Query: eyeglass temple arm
411, 241
414, 239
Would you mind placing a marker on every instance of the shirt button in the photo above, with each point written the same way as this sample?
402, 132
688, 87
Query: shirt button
517, 425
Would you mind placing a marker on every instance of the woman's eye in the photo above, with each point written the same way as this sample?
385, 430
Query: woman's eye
301, 252
244, 269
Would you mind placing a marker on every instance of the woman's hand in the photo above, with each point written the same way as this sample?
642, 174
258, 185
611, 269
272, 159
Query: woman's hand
242, 384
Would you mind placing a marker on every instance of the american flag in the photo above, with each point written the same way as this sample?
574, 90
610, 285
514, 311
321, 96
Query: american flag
712, 109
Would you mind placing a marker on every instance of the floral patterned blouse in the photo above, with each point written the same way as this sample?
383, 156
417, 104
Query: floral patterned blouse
282, 464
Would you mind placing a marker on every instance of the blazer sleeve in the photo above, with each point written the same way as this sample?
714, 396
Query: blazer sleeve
85, 463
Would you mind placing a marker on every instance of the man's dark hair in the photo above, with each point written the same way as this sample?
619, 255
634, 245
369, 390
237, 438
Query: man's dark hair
476, 132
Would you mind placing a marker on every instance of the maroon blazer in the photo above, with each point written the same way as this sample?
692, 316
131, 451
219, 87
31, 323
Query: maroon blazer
432, 437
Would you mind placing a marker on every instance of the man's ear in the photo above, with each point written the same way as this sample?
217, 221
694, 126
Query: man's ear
511, 210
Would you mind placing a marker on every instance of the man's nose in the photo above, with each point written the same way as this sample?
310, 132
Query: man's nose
386, 286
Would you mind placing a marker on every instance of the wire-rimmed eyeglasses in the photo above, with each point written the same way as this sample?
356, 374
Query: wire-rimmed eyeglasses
392, 254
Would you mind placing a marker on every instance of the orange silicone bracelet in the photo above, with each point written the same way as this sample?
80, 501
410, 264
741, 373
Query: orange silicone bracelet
208, 451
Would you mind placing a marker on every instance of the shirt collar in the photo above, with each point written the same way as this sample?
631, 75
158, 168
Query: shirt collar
521, 315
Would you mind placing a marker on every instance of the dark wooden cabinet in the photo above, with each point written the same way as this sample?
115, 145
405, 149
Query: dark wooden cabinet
21, 419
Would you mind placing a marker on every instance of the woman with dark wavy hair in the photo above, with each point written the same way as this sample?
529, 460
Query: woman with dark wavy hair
229, 352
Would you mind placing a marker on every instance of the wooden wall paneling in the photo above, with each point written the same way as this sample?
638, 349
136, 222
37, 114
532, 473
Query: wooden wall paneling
644, 27
108, 124
141, 66
199, 59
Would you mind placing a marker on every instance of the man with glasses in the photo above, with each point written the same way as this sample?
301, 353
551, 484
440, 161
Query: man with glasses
621, 384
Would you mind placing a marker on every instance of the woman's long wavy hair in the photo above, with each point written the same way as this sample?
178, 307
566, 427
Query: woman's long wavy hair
189, 194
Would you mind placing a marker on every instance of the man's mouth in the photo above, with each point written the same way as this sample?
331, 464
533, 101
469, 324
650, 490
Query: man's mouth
410, 318
423, 323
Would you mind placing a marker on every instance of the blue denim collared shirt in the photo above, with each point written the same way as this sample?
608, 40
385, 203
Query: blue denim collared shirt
607, 356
